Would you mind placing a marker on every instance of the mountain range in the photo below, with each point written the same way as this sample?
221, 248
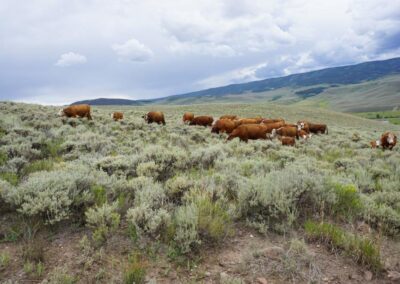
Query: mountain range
368, 86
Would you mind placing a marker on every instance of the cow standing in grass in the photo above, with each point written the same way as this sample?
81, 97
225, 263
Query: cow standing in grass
249, 131
154, 116
76, 111
202, 120
387, 141
224, 125
187, 117
117, 115
312, 127
229, 116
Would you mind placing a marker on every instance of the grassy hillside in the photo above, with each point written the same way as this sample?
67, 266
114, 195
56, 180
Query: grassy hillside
369, 86
126, 202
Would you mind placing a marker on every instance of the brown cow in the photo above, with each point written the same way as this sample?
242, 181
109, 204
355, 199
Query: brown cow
187, 117
387, 141
274, 125
287, 141
154, 116
76, 111
303, 134
202, 120
224, 125
272, 120
248, 121
289, 131
312, 127
117, 115
229, 116
259, 119
249, 131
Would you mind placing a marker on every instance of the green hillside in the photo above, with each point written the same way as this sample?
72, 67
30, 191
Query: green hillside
369, 86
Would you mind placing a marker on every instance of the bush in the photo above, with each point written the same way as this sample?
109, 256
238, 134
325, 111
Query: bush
4, 260
11, 178
382, 216
99, 194
147, 214
362, 250
348, 203
214, 222
278, 199
102, 220
38, 166
3, 158
161, 163
186, 228
176, 187
60, 276
135, 271
55, 195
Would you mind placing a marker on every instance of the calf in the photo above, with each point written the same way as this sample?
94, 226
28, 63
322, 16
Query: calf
289, 131
287, 141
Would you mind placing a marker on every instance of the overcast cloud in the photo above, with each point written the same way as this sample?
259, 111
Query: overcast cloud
57, 52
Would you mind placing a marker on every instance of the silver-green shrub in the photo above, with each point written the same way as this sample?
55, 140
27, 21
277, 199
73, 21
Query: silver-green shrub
148, 214
102, 220
55, 195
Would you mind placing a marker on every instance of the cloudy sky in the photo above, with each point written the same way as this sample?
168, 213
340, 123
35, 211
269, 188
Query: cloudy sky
57, 52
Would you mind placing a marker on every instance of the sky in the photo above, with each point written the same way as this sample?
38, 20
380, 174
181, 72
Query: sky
58, 52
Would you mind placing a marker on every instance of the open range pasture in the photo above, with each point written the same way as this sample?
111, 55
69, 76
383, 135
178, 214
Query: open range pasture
126, 202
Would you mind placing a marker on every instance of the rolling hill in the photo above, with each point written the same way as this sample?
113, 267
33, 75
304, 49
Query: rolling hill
369, 86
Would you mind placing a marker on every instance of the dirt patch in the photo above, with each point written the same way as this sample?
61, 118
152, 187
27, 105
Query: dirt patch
248, 257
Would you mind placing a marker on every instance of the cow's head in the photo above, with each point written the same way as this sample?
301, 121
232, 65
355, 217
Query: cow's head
300, 125
145, 117
112, 115
390, 138
273, 133
61, 112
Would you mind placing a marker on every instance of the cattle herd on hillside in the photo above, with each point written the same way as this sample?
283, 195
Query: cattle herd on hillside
242, 128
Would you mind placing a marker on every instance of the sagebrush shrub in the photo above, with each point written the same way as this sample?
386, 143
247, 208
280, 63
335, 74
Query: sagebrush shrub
176, 187
186, 228
147, 214
348, 203
102, 220
278, 199
55, 195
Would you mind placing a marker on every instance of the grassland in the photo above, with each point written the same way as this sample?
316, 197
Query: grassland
381, 94
126, 202
390, 116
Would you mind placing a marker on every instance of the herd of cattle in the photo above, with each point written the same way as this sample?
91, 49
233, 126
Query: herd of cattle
242, 128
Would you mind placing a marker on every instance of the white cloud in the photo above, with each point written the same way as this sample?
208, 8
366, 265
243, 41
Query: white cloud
133, 50
186, 44
241, 75
70, 58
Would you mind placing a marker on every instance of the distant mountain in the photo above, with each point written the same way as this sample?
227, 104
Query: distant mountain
108, 102
361, 82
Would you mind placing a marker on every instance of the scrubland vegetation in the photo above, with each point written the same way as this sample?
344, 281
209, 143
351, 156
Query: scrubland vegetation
126, 202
